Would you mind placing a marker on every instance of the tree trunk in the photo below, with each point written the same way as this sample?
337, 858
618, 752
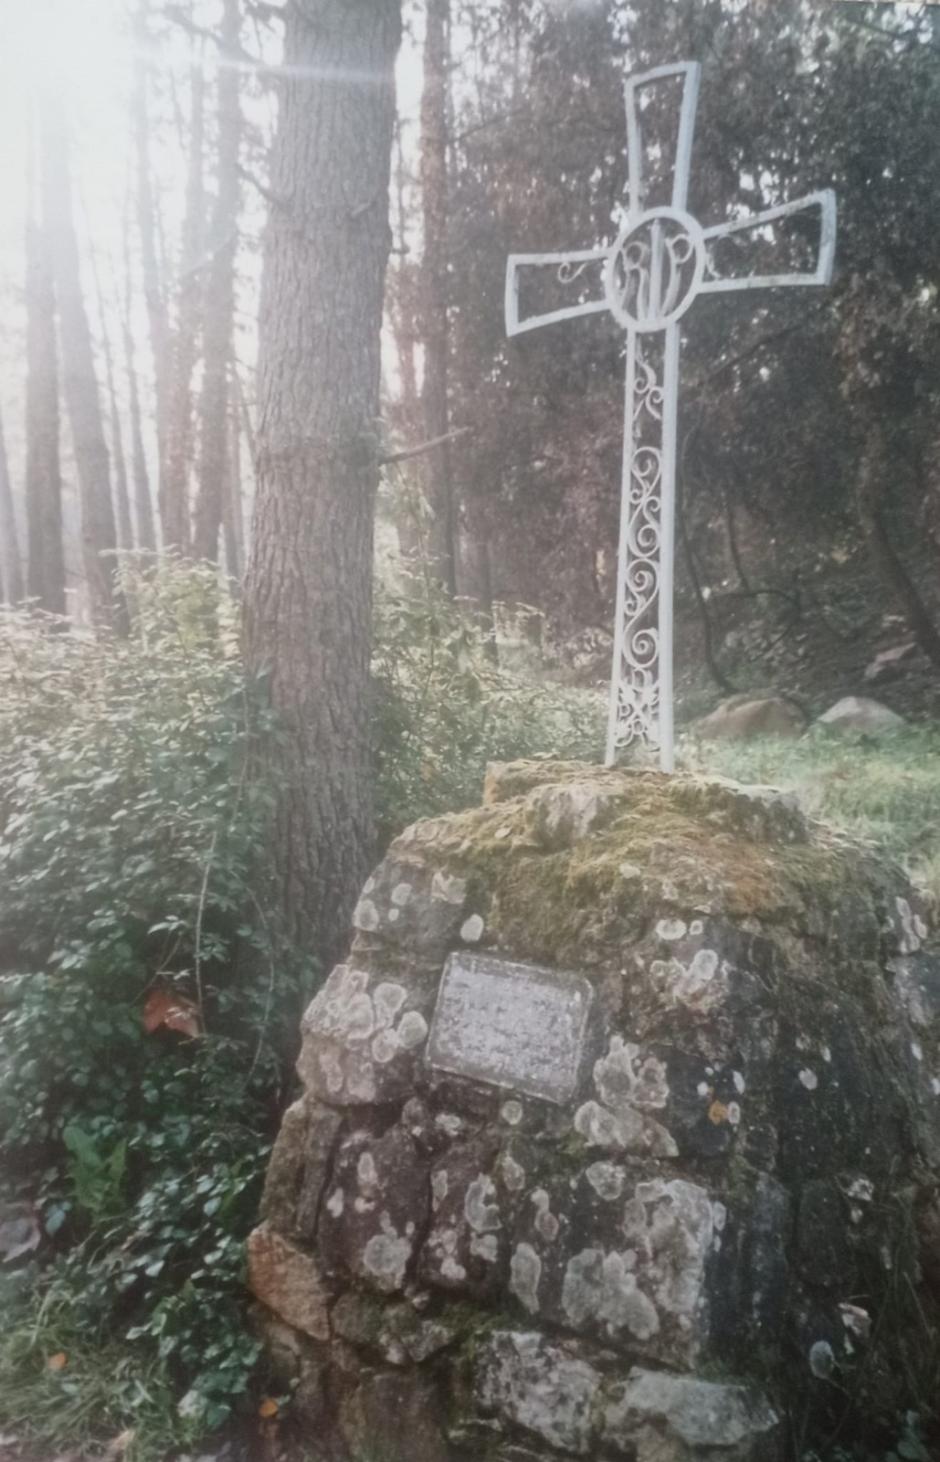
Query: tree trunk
79, 383
11, 569
154, 292
437, 466
220, 301
308, 594
174, 488
232, 519
872, 484
125, 531
45, 574
143, 501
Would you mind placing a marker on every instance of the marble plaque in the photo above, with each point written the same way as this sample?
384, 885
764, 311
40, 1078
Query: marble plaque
510, 1025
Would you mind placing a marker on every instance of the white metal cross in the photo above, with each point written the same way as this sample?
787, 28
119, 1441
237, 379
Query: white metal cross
659, 263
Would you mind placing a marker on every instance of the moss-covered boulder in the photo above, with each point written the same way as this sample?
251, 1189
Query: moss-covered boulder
619, 1137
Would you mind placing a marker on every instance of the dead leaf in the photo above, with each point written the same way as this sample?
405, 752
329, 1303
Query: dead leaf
57, 1362
171, 1011
268, 1408
718, 1113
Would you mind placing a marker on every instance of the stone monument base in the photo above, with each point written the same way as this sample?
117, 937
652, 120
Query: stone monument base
619, 1138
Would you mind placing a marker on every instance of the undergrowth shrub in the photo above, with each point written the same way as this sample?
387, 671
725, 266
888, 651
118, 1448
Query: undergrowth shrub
444, 708
145, 1001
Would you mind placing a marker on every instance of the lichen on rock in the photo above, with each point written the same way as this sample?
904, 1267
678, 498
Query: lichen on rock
619, 1134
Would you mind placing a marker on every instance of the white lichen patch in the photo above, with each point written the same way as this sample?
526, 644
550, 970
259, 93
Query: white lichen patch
485, 1246
401, 894
917, 1050
366, 1175
545, 1221
624, 1078
808, 1078
525, 1272
669, 929
625, 1131
480, 1211
354, 1031
336, 1203
739, 1082
606, 1179
700, 985
439, 1186
511, 1113
471, 931
388, 999
448, 889
449, 1123
366, 916
602, 1288
442, 1248
513, 1173
386, 1255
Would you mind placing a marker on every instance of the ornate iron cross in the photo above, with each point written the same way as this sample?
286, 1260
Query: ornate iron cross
660, 262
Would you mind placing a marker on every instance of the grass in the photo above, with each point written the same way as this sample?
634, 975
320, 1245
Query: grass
884, 789
63, 1387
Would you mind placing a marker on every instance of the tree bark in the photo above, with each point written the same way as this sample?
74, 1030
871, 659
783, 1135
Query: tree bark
220, 301
45, 573
11, 569
122, 502
154, 292
233, 532
143, 502
308, 594
174, 488
79, 382
437, 472
873, 480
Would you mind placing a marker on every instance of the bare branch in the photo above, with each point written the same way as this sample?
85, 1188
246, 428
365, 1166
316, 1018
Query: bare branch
408, 452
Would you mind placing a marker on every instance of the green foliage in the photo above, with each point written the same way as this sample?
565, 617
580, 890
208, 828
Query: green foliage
444, 709
129, 831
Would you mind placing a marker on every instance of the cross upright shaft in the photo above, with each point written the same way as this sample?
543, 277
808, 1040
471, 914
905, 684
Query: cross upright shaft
660, 262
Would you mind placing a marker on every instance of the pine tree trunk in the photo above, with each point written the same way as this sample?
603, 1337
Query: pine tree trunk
79, 383
233, 532
45, 556
174, 487
144, 526
437, 465
308, 594
154, 292
11, 569
125, 531
143, 502
220, 301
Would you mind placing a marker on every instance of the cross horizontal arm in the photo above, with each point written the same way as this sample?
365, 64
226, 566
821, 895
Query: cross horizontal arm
568, 267
820, 273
